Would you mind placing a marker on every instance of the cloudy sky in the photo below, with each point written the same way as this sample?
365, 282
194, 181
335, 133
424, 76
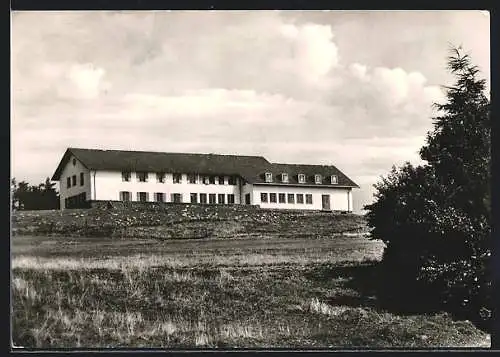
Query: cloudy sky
348, 88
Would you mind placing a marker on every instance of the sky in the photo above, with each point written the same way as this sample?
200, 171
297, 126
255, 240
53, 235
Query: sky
352, 89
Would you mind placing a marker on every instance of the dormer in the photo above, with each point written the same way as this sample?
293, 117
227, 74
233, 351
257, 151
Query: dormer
269, 177
334, 179
317, 179
301, 178
284, 177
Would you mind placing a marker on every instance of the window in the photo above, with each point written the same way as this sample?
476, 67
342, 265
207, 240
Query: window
291, 198
203, 198
232, 180
194, 198
142, 196
191, 178
205, 180
125, 196
281, 198
317, 178
220, 198
221, 180
309, 198
230, 198
302, 178
333, 179
160, 177
159, 197
176, 198
211, 198
177, 178
73, 180
68, 182
126, 176
284, 177
247, 199
300, 198
272, 197
81, 178
263, 197
74, 161
269, 177
211, 180
142, 176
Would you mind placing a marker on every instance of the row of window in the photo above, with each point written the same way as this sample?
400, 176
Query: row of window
301, 178
177, 178
71, 180
286, 198
210, 198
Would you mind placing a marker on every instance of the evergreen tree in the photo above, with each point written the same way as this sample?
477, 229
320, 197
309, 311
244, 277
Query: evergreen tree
459, 147
435, 218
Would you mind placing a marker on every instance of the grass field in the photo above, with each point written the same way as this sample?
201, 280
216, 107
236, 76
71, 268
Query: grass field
252, 292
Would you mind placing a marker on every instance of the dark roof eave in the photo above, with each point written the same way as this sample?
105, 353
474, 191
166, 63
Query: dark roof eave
57, 174
175, 171
303, 185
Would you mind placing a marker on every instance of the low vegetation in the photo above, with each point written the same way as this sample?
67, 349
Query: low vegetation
223, 293
180, 221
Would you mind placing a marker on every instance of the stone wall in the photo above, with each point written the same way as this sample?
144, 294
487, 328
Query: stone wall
174, 220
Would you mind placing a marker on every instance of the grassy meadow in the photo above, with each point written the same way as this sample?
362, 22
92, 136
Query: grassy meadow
259, 291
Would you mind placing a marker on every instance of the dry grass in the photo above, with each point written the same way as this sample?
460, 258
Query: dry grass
238, 294
314, 305
140, 261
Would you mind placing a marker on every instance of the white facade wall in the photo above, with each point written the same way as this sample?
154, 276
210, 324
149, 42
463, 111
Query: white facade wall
340, 198
108, 185
77, 189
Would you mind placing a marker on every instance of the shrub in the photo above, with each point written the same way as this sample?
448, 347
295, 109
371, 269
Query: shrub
435, 218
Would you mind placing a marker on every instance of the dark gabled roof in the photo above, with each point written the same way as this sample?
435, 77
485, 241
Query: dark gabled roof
119, 160
293, 171
251, 168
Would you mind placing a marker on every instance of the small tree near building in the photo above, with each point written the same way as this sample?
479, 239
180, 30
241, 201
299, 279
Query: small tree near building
35, 197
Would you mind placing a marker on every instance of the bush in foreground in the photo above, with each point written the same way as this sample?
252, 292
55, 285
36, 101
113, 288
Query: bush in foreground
435, 218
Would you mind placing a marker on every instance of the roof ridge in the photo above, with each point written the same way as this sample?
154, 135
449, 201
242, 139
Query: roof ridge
283, 163
165, 152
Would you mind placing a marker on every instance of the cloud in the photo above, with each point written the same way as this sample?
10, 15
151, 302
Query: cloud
358, 70
383, 101
75, 80
292, 86
314, 53
87, 79
62, 80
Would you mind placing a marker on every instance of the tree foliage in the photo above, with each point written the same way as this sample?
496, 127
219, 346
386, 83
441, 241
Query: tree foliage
35, 197
435, 218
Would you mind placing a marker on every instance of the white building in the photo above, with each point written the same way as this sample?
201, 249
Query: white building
112, 175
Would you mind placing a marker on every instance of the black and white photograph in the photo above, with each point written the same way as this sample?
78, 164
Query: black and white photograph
250, 180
